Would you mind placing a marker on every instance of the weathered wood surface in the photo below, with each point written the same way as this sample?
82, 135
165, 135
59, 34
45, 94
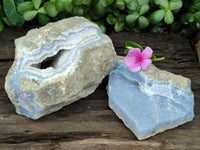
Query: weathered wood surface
196, 43
90, 123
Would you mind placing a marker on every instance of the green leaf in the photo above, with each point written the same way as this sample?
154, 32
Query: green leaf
68, 8
126, 51
175, 4
11, 13
163, 3
50, 9
169, 17
131, 18
130, 45
41, 10
109, 2
1, 26
127, 1
156, 2
29, 15
59, 5
77, 2
67, 1
144, 9
36, 3
101, 26
107, 9
197, 6
68, 5
197, 17
17, 2
157, 29
43, 19
86, 2
143, 2
111, 19
143, 22
119, 26
94, 2
7, 22
132, 5
103, 2
198, 25
121, 18
1, 11
78, 11
115, 12
99, 9
25, 6
120, 4
190, 17
157, 16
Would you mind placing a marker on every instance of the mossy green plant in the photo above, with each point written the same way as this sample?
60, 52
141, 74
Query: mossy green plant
177, 16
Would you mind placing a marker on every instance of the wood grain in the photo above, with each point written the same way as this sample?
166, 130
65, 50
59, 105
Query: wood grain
89, 123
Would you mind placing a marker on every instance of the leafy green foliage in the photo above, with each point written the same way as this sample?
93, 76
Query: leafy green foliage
50, 8
169, 18
181, 16
43, 19
1, 25
157, 16
36, 3
11, 13
29, 15
190, 19
25, 6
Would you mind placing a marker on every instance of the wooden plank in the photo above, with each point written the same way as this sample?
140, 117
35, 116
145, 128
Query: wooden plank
91, 117
4, 66
7, 47
26, 146
196, 44
108, 144
96, 144
7, 37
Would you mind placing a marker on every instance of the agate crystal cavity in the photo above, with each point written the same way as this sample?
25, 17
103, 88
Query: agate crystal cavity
150, 101
58, 64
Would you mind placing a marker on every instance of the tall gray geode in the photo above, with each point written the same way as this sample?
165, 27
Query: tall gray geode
58, 64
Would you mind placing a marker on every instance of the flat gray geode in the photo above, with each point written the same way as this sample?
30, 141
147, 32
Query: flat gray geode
151, 101
58, 64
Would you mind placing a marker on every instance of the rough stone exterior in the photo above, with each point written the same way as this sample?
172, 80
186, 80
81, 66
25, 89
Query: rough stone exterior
83, 57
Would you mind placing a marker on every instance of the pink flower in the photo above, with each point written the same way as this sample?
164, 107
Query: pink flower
137, 60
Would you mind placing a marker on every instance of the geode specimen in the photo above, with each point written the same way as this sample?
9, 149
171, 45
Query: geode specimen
150, 101
57, 65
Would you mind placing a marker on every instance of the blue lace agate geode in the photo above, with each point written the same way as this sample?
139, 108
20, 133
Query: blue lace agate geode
58, 64
150, 101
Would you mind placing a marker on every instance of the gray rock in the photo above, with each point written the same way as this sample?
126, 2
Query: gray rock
58, 64
151, 101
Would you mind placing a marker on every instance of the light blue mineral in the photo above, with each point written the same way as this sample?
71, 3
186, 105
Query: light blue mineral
150, 101
57, 65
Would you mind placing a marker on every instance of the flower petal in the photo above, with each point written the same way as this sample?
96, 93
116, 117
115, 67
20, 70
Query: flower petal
147, 52
135, 67
129, 60
134, 52
145, 64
